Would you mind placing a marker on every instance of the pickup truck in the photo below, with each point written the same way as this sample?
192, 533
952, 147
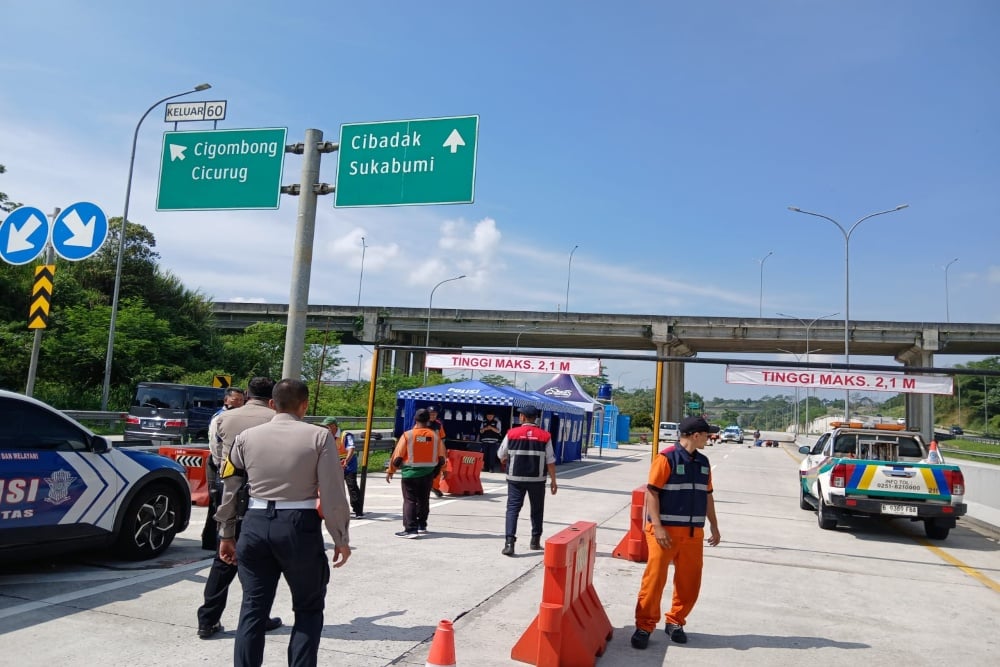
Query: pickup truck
882, 471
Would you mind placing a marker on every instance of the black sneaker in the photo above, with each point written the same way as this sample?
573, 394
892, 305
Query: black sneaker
422, 530
408, 535
208, 631
437, 492
272, 624
640, 639
676, 633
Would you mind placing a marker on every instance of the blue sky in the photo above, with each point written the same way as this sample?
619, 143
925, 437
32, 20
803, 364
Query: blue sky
665, 139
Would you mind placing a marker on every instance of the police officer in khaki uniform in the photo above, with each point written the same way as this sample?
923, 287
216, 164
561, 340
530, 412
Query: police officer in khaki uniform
228, 425
287, 465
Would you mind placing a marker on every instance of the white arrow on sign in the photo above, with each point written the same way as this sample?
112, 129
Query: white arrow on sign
453, 141
81, 233
17, 240
177, 152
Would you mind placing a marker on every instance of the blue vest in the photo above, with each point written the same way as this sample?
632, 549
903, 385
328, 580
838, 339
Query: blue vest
526, 453
684, 499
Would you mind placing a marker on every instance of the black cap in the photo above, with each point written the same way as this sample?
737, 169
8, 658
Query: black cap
690, 425
529, 411
421, 416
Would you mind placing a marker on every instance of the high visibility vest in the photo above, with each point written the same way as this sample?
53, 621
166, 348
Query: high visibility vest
422, 452
342, 452
684, 498
526, 453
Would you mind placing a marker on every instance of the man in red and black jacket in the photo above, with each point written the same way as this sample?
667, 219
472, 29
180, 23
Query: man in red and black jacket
526, 454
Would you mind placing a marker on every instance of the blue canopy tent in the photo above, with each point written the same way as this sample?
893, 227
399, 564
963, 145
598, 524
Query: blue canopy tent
462, 405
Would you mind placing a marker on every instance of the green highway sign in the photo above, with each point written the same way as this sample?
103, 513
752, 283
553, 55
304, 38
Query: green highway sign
221, 169
694, 406
396, 163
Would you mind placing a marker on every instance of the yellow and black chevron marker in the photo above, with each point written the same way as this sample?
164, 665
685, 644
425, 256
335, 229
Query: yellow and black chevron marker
41, 296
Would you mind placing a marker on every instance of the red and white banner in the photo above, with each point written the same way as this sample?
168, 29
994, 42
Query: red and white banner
499, 363
860, 381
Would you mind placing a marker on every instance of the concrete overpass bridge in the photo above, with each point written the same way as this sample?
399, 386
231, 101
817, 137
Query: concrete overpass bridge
913, 344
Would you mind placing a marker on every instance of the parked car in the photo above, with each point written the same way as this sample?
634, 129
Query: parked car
172, 413
62, 488
732, 434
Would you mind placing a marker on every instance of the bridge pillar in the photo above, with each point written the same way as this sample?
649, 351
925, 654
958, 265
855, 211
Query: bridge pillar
672, 399
920, 407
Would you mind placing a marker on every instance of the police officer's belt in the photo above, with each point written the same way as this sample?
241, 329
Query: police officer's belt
258, 504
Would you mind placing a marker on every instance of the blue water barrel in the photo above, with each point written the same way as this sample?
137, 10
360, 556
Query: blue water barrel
624, 426
604, 392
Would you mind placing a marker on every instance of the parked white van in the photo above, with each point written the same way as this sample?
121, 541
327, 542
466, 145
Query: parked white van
669, 432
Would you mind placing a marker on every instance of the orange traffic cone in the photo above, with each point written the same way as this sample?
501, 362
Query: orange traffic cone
933, 454
442, 646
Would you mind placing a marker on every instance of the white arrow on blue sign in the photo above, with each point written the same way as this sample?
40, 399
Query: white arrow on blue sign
23, 235
79, 231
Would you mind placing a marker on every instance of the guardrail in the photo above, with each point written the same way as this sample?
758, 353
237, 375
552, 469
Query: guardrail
985, 455
96, 415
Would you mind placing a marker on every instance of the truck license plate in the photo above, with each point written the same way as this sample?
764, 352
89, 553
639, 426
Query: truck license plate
899, 510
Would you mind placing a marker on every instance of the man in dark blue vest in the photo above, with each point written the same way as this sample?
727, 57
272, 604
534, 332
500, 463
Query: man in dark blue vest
678, 500
526, 454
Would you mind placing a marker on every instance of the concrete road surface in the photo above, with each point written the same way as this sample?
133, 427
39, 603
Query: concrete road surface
777, 591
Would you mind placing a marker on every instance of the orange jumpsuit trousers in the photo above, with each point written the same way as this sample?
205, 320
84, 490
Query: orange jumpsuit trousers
685, 552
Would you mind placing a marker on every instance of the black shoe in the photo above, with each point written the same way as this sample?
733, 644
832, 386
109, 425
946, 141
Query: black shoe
407, 534
437, 492
272, 624
209, 547
676, 633
640, 639
208, 631
508, 547
536, 543
358, 515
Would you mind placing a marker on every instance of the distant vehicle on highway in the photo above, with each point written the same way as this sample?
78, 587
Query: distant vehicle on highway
731, 434
62, 488
172, 413
956, 430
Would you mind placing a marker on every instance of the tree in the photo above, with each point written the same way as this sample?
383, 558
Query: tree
496, 381
5, 203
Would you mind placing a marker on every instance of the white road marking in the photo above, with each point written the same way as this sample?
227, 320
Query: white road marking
103, 588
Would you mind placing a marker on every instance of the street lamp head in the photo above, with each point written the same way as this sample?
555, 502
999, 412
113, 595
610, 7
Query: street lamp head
901, 207
795, 208
202, 86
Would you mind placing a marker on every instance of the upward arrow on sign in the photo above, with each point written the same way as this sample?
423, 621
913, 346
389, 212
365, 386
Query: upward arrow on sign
453, 141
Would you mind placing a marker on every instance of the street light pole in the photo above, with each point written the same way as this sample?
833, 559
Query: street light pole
760, 308
798, 357
620, 376
808, 326
847, 283
362, 276
430, 302
121, 244
360, 357
947, 312
569, 269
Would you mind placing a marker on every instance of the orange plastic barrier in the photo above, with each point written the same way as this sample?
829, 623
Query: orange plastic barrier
196, 463
463, 480
572, 627
633, 546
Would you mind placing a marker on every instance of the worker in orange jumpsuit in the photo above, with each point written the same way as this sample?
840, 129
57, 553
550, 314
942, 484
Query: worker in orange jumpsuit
437, 426
678, 500
419, 456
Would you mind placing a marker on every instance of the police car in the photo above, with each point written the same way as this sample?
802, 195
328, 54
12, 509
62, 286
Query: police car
63, 488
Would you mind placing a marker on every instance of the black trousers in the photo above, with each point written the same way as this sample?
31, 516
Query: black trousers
515, 500
353, 491
220, 576
490, 460
275, 543
416, 502
210, 533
